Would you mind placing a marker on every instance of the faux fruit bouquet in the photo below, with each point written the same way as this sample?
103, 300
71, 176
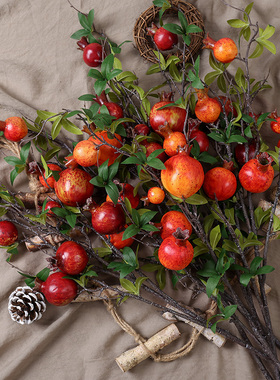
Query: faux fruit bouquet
165, 179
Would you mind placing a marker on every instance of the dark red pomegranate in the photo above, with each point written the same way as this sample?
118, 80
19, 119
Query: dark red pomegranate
8, 233
164, 39
59, 291
240, 155
71, 258
108, 218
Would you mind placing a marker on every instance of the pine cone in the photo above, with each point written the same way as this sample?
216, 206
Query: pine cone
26, 305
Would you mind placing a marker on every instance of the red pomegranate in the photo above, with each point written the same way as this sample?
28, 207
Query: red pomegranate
127, 191
113, 108
8, 233
207, 109
162, 37
240, 155
108, 218
59, 291
73, 187
71, 258
220, 183
172, 140
172, 220
174, 116
183, 175
224, 50
176, 252
257, 174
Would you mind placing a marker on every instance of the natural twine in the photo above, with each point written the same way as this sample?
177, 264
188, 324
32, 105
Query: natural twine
183, 351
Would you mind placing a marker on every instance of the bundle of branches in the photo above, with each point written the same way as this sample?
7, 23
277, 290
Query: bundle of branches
190, 217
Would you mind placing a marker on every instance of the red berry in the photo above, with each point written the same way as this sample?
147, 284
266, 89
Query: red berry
71, 258
8, 233
59, 291
15, 129
92, 54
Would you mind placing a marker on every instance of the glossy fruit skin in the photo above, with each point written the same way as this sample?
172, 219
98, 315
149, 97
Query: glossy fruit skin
113, 108
73, 187
207, 109
71, 258
15, 129
220, 182
175, 254
224, 50
172, 220
172, 140
85, 153
8, 233
116, 240
50, 181
151, 146
257, 174
162, 37
156, 195
108, 218
106, 152
275, 125
239, 152
2, 125
201, 138
92, 54
127, 192
59, 291
173, 116
50, 205
183, 175
142, 129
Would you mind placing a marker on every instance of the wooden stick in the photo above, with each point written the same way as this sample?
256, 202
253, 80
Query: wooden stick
28, 199
35, 243
217, 339
131, 358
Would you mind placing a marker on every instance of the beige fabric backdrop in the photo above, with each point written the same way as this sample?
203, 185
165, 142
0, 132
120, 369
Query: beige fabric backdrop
40, 68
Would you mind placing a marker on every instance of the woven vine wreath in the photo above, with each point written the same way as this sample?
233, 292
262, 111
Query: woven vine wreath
144, 42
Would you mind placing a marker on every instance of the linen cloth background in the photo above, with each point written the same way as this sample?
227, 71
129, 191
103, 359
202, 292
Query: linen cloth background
40, 68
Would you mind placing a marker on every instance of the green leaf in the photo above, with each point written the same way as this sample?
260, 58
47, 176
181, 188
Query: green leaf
128, 285
229, 311
211, 77
90, 17
113, 192
139, 281
161, 278
56, 127
43, 274
45, 115
70, 127
123, 268
267, 44
237, 138
24, 152
236, 23
12, 160
130, 231
100, 86
257, 52
156, 163
265, 269
196, 199
268, 32
173, 28
71, 220
215, 236
147, 217
96, 74
130, 257
79, 34
211, 284
245, 278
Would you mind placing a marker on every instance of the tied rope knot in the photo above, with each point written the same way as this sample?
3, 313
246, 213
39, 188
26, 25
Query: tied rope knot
141, 340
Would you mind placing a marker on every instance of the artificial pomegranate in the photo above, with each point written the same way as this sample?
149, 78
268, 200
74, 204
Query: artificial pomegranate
85, 153
172, 140
240, 155
117, 240
163, 39
113, 108
127, 191
155, 195
73, 187
70, 162
8, 233
201, 138
224, 50
108, 218
71, 258
105, 151
92, 54
176, 252
219, 183
15, 129
183, 175
172, 220
59, 291
151, 146
50, 181
174, 116
207, 109
50, 205
141, 129
257, 174
275, 125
